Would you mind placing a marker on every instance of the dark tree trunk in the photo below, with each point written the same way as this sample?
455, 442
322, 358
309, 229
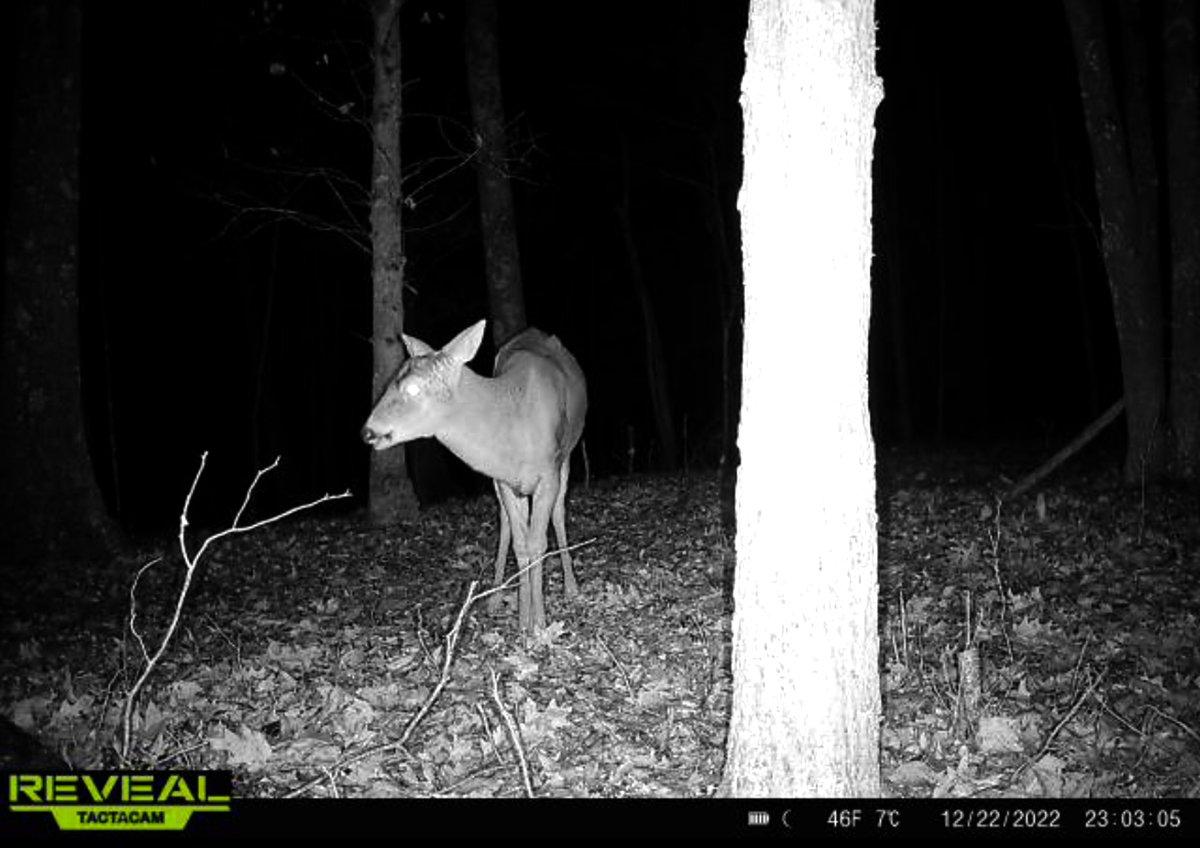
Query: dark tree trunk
390, 496
497, 217
728, 284
893, 281
49, 501
257, 428
1182, 81
1076, 239
947, 261
656, 363
1120, 155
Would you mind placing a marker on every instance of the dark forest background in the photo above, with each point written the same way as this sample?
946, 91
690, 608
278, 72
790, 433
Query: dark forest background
225, 272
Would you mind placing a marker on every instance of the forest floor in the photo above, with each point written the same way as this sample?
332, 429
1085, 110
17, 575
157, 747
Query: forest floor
310, 655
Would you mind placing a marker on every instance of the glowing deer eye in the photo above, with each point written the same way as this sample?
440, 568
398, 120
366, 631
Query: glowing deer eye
412, 389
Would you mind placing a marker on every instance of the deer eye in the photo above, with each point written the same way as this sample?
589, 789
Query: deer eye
411, 389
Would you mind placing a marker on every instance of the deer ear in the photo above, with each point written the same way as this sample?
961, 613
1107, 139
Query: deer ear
463, 347
415, 346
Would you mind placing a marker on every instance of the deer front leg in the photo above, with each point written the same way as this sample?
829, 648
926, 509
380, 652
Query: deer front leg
518, 519
493, 603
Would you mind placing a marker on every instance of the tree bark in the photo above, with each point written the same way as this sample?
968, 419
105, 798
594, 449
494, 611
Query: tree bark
49, 500
1182, 81
1127, 214
805, 718
497, 216
390, 493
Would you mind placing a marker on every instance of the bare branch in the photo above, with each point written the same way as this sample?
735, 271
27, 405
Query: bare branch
342, 113
274, 214
190, 563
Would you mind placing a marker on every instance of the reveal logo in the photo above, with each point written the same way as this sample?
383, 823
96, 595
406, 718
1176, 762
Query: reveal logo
153, 800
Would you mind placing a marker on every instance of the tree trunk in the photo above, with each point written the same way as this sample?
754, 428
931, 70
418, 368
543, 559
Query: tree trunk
1182, 81
1119, 154
655, 359
497, 216
728, 287
49, 501
805, 718
1076, 239
390, 496
888, 189
262, 367
948, 263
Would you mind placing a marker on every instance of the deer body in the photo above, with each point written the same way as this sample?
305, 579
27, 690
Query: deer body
518, 427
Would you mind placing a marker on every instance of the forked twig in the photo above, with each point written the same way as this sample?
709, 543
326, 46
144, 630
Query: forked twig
190, 563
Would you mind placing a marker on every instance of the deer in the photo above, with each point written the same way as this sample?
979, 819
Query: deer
517, 427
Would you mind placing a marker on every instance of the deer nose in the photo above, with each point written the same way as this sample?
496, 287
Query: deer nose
369, 436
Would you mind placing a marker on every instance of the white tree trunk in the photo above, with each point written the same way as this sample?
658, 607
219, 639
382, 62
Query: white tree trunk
805, 645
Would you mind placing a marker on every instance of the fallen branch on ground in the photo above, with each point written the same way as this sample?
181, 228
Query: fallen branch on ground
190, 563
1089, 432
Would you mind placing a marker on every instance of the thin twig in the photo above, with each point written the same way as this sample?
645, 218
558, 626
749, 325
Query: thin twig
620, 666
513, 733
1058, 727
1005, 611
451, 640
487, 732
190, 564
1181, 725
509, 582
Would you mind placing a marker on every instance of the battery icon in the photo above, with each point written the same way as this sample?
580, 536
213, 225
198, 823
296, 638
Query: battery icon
758, 818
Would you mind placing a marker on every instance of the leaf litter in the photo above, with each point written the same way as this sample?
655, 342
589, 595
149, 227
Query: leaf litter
306, 647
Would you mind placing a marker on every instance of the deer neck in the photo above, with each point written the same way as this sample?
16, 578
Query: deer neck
477, 431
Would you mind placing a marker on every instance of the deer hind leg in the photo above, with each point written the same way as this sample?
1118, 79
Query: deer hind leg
570, 587
493, 602
540, 508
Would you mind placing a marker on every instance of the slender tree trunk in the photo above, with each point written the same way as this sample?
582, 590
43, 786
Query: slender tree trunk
947, 262
1182, 80
1119, 154
50, 505
1077, 254
497, 216
656, 364
805, 718
1135, 96
264, 356
110, 400
390, 496
894, 282
727, 282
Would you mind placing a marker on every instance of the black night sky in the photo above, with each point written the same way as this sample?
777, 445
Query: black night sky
212, 320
